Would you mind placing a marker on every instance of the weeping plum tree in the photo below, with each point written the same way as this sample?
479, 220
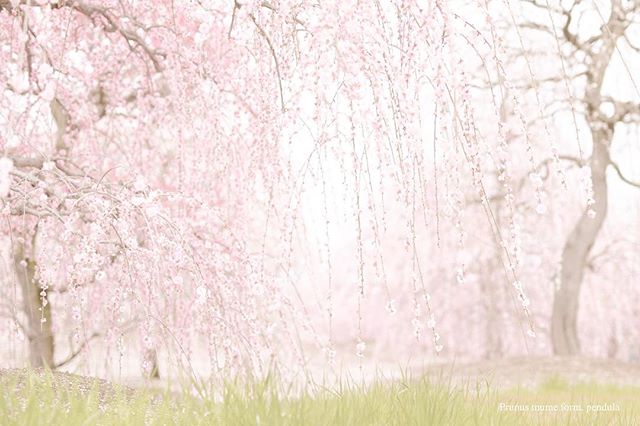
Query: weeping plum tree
589, 38
128, 159
150, 176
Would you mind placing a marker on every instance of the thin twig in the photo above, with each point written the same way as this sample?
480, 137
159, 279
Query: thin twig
275, 58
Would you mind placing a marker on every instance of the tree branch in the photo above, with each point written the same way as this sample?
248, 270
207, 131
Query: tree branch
622, 176
90, 11
275, 58
77, 352
521, 182
125, 329
131, 36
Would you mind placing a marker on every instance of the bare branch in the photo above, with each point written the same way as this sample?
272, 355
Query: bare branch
616, 167
128, 326
568, 35
76, 352
541, 4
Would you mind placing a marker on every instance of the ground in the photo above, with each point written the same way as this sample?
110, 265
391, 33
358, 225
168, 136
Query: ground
523, 391
532, 372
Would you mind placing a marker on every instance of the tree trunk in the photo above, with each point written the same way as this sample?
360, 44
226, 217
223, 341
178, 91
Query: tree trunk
36, 308
564, 333
493, 314
151, 368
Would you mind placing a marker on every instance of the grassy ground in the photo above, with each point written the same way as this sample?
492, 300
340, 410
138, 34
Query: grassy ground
30, 399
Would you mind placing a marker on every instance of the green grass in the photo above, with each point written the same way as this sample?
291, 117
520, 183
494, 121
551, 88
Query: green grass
39, 400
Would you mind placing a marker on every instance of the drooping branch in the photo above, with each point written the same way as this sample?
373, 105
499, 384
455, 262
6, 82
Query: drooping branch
75, 352
275, 57
522, 181
263, 33
626, 180
132, 38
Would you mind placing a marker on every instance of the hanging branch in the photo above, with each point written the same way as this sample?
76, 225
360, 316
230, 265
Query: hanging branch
275, 58
622, 176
